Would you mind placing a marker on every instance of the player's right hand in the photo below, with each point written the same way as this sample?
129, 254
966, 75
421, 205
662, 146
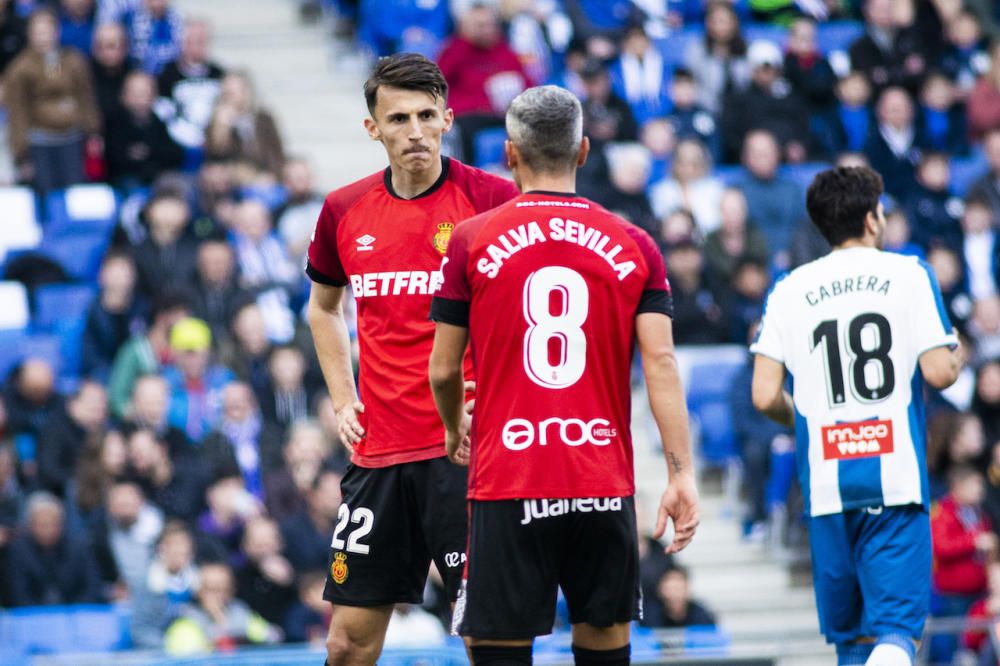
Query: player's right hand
680, 504
350, 428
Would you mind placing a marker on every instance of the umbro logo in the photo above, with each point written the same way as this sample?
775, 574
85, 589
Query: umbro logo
365, 243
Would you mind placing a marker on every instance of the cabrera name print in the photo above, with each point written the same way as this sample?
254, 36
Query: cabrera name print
514, 240
536, 509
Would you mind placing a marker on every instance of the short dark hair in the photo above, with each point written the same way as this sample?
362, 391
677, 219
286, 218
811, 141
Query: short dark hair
408, 71
839, 200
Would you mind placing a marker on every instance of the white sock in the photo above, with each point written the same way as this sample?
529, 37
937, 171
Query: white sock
887, 654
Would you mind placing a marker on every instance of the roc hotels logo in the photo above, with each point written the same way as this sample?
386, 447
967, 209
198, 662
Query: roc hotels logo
338, 570
442, 237
862, 439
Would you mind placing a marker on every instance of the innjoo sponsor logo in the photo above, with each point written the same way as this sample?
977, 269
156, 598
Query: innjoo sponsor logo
861, 439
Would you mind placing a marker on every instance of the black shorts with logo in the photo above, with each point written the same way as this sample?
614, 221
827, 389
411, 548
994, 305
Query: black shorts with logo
393, 521
520, 551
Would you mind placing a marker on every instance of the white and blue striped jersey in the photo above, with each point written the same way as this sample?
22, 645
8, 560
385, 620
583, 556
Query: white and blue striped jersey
850, 328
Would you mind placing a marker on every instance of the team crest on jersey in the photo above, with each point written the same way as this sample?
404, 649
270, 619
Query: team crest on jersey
338, 570
442, 237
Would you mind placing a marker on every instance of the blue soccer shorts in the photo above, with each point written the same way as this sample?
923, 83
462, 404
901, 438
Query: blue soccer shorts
872, 572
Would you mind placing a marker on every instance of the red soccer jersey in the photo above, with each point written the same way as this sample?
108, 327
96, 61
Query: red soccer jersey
549, 286
389, 250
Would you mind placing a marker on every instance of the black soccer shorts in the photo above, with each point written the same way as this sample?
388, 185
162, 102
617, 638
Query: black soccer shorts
520, 551
393, 521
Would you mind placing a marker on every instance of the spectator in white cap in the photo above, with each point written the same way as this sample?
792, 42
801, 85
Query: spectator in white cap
768, 103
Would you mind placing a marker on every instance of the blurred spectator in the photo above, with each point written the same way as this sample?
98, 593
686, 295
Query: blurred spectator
988, 187
13, 33
687, 117
216, 192
31, 398
602, 22
109, 66
216, 620
216, 295
125, 540
606, 116
395, 26
980, 250
953, 439
166, 259
947, 267
742, 298
308, 620
985, 609
986, 402
734, 240
145, 352
100, 464
230, 506
941, 117
11, 495
483, 75
931, 208
307, 451
174, 483
113, 316
264, 263
296, 219
963, 541
965, 57
138, 147
890, 54
846, 126
625, 194
154, 32
776, 203
677, 227
991, 497
691, 187
676, 608
698, 317
984, 327
248, 354
190, 85
242, 440
196, 381
171, 581
266, 581
308, 531
897, 236
242, 131
806, 69
659, 138
894, 144
288, 398
638, 76
983, 105
337, 455
83, 418
718, 61
539, 33
51, 108
76, 24
47, 566
768, 103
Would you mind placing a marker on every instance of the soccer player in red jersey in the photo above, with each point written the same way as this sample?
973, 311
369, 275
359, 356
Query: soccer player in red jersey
554, 292
404, 501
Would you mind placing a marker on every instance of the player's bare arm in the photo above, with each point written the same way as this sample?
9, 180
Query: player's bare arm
333, 347
666, 400
941, 366
448, 385
769, 394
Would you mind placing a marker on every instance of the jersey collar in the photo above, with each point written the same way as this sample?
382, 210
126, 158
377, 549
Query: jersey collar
445, 165
572, 195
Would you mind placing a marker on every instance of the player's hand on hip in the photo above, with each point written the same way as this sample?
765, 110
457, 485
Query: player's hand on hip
680, 505
456, 442
349, 426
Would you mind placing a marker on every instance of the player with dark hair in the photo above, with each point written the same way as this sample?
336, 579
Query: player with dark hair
859, 332
385, 235
554, 292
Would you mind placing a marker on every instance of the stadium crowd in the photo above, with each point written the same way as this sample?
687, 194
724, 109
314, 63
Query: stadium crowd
190, 464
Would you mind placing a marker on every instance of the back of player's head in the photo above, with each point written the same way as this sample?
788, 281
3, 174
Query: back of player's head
545, 124
407, 71
839, 200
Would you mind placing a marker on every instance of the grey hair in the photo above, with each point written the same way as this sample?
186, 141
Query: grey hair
41, 499
545, 124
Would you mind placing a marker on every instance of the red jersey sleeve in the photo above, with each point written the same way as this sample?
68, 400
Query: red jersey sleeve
450, 304
323, 264
656, 295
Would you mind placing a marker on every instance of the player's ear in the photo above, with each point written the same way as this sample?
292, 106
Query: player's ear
510, 153
449, 119
581, 157
372, 128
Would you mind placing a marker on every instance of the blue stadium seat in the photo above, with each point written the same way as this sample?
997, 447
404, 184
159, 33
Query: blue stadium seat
838, 35
673, 46
708, 402
99, 628
965, 171
729, 174
78, 250
93, 206
41, 630
70, 335
57, 303
803, 174
768, 31
489, 146
10, 350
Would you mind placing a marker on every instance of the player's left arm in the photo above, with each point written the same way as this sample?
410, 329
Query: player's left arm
447, 378
942, 365
768, 391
